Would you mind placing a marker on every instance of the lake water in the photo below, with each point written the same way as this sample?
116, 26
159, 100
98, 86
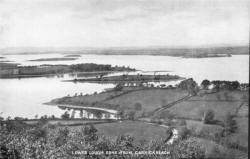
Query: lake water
24, 97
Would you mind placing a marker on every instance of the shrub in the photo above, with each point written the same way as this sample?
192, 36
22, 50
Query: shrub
65, 115
208, 116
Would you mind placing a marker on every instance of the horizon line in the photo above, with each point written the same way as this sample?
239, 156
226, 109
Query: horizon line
124, 47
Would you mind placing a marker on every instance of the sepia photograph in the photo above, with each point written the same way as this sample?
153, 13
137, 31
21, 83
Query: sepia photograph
124, 79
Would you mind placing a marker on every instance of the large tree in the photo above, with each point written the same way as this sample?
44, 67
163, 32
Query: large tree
205, 83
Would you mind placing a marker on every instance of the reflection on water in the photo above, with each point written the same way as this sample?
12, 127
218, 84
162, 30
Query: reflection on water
24, 97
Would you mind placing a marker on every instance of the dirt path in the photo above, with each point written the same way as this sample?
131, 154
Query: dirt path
171, 104
173, 136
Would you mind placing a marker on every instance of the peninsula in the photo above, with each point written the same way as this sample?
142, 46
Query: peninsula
55, 59
11, 70
129, 79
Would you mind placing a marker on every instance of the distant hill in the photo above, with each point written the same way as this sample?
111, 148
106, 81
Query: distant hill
163, 51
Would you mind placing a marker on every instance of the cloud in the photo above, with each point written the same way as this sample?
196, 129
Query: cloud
101, 23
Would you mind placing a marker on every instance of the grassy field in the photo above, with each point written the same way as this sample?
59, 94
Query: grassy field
223, 95
223, 102
139, 130
150, 99
193, 107
88, 98
198, 126
243, 111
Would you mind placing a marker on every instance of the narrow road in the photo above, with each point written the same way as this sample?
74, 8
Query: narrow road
173, 136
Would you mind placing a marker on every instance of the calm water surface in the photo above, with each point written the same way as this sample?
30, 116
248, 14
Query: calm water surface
24, 97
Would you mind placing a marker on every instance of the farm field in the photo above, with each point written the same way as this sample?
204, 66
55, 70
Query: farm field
195, 106
149, 98
222, 103
141, 131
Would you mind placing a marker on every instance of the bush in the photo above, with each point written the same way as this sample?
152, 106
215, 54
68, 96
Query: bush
65, 115
208, 117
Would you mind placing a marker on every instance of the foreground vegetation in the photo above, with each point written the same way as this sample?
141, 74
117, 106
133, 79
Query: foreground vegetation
19, 140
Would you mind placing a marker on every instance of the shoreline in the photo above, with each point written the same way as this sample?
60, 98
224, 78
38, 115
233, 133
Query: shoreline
12, 70
130, 79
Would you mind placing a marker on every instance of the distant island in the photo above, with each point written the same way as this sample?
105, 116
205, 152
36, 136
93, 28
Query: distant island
54, 59
72, 56
156, 51
5, 61
13, 70
206, 55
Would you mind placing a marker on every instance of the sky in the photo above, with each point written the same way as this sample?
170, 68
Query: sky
123, 23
